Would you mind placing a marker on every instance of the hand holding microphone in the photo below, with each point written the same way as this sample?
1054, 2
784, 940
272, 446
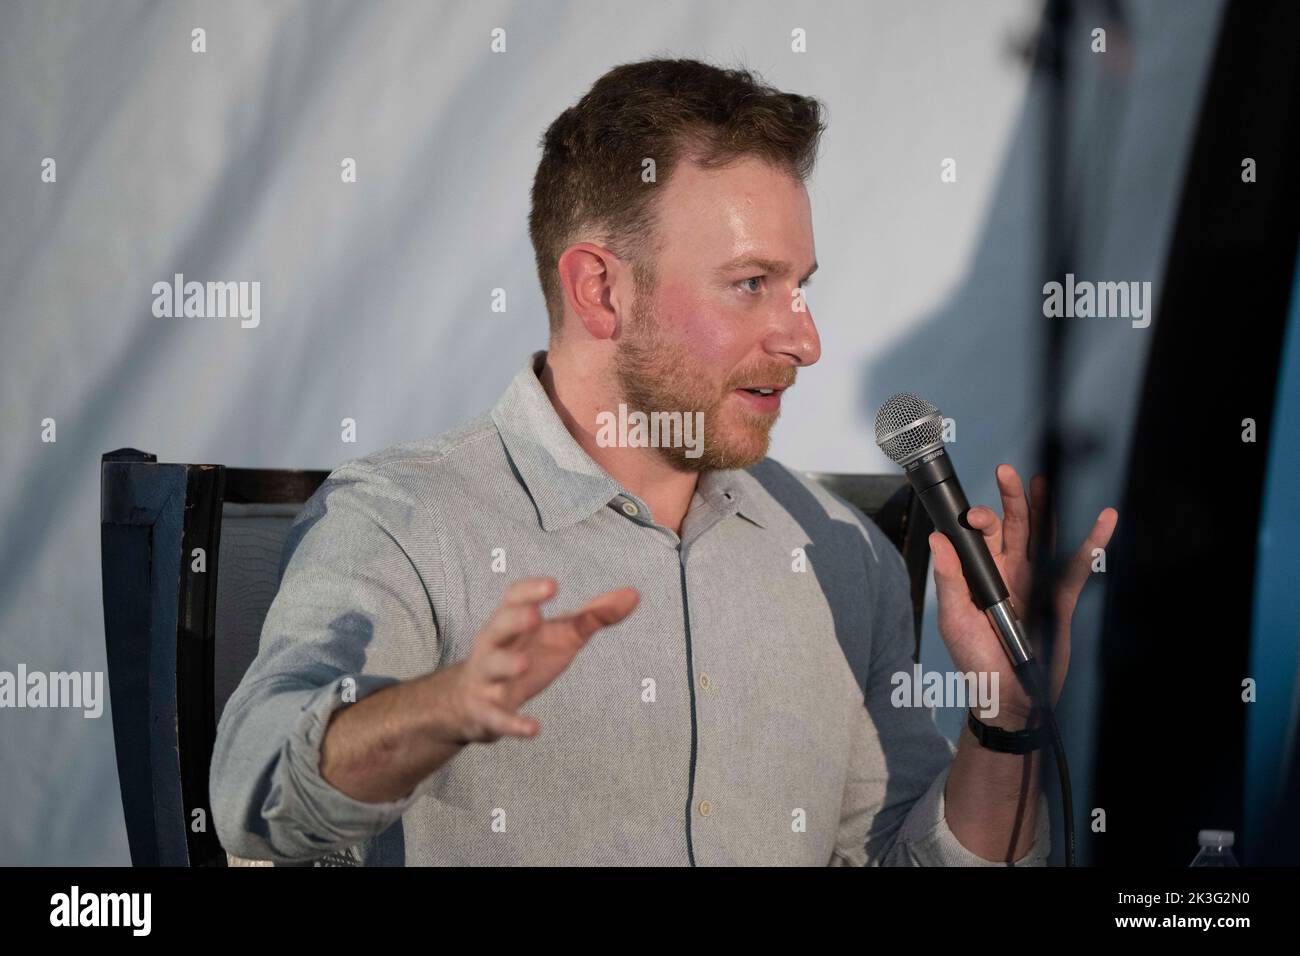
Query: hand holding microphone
982, 564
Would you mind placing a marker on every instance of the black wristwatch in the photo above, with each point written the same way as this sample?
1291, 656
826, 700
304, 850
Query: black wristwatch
1008, 741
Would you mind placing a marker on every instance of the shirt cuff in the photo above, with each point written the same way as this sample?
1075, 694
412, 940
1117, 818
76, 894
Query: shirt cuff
324, 816
928, 841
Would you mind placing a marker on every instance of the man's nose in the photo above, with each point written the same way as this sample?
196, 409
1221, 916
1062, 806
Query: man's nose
795, 334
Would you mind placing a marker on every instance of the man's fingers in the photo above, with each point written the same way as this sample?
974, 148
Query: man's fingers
949, 583
1079, 569
529, 591
505, 724
985, 521
503, 665
508, 621
1015, 512
610, 608
518, 610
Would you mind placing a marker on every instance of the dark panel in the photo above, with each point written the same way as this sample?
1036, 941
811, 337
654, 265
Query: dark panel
196, 722
141, 520
1176, 644
271, 486
160, 631
125, 559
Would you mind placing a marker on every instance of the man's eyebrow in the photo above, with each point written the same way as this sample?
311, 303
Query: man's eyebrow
774, 266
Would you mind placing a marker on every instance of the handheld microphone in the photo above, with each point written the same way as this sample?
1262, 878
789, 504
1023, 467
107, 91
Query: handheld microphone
910, 431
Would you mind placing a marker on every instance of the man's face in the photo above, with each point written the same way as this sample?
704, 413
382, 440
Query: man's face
726, 313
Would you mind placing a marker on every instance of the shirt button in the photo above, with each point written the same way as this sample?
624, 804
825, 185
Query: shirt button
704, 680
705, 808
630, 509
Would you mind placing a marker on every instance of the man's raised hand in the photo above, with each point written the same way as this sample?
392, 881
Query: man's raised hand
519, 652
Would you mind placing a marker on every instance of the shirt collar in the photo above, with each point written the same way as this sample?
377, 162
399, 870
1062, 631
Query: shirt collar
565, 483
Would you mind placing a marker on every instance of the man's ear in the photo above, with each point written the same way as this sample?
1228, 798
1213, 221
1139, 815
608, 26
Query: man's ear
589, 274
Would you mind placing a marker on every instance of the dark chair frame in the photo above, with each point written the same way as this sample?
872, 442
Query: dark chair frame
160, 625
160, 634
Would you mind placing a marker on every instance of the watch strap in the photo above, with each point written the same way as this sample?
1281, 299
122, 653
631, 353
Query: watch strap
1008, 741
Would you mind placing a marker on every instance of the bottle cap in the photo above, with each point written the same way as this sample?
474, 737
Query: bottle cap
1215, 838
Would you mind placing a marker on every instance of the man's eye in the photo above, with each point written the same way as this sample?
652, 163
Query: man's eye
755, 279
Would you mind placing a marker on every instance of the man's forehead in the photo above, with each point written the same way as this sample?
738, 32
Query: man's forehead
748, 209
761, 263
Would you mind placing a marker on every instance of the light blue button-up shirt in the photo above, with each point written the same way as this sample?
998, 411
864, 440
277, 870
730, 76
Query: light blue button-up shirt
740, 715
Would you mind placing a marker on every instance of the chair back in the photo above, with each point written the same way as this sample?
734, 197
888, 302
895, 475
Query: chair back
179, 635
889, 501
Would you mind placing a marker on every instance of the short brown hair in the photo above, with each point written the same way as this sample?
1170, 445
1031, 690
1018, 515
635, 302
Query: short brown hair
590, 174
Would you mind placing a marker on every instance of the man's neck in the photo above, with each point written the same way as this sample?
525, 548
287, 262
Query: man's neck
642, 471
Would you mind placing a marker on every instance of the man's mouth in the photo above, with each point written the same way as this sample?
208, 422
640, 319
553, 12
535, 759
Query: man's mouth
763, 398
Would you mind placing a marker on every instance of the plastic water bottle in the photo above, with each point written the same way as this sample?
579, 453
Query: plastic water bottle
1216, 848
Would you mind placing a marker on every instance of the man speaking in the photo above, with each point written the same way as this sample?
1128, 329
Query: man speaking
710, 682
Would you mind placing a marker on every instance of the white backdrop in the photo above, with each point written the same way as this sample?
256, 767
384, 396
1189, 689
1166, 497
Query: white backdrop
376, 296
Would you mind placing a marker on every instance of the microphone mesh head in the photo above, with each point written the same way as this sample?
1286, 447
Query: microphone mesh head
907, 427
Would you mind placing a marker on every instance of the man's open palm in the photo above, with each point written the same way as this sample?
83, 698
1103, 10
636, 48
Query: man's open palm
519, 652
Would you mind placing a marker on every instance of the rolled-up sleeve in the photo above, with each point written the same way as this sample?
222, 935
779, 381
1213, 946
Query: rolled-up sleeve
926, 840
353, 614
893, 812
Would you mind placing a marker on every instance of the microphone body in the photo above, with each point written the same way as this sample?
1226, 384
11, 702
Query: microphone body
910, 431
934, 480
